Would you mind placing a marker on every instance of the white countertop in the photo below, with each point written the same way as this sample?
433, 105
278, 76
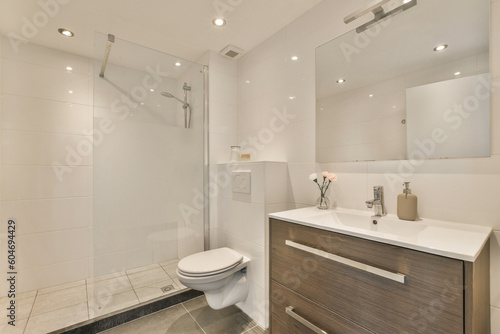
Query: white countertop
454, 240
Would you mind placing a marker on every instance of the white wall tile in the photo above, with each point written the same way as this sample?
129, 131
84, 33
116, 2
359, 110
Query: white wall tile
42, 56
495, 318
495, 116
495, 270
26, 79
223, 118
257, 268
33, 114
256, 305
27, 182
300, 137
275, 182
494, 38
244, 220
54, 274
42, 249
300, 188
38, 148
45, 215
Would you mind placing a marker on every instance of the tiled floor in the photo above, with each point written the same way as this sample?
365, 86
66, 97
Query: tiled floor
53, 308
192, 317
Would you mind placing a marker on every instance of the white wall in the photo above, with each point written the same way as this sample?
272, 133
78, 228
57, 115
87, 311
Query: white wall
222, 127
40, 119
461, 190
242, 222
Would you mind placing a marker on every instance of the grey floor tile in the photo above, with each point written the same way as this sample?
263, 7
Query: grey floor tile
230, 320
174, 320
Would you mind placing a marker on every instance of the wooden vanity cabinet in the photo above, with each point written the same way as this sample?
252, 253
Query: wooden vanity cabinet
326, 282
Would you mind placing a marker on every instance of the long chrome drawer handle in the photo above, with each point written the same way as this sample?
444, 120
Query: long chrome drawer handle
401, 278
308, 324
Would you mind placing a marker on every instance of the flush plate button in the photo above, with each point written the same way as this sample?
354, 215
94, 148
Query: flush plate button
241, 181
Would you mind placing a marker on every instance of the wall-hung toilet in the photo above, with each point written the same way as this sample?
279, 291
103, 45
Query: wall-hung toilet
220, 273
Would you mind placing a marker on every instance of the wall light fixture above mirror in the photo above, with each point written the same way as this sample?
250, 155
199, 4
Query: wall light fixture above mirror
401, 91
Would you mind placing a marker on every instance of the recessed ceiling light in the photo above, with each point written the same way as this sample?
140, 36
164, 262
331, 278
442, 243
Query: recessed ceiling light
151, 90
247, 81
70, 91
66, 32
340, 81
69, 68
294, 58
371, 95
457, 73
441, 47
177, 64
219, 22
291, 97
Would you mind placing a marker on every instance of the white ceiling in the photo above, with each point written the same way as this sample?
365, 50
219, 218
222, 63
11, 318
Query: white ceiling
179, 27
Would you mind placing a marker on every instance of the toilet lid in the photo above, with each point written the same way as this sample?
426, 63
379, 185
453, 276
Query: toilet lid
210, 262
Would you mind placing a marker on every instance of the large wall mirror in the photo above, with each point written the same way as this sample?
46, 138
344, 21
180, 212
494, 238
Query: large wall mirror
389, 92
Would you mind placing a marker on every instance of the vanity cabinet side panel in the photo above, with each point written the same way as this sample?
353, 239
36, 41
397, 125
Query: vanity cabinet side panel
477, 293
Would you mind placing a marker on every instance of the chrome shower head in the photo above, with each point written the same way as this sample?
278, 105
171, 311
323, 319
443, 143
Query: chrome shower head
170, 96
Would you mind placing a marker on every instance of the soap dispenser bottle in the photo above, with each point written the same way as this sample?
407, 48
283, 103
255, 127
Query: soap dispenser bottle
407, 204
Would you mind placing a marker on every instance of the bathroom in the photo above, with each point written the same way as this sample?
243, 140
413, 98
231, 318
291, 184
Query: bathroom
264, 101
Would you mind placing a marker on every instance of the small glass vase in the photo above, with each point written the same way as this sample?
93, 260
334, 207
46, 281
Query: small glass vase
323, 202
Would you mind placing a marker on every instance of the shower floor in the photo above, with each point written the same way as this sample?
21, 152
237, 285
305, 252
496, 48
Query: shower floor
53, 308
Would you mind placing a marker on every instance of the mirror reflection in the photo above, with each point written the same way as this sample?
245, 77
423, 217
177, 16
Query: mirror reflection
413, 86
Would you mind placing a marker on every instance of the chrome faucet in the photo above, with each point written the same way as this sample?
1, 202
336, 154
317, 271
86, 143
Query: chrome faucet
377, 203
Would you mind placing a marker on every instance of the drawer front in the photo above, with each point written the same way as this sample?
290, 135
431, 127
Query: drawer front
384, 288
304, 316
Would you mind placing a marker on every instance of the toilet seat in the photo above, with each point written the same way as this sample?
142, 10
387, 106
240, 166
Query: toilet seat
209, 263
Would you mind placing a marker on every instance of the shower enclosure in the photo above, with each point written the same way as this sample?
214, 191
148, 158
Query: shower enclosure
149, 166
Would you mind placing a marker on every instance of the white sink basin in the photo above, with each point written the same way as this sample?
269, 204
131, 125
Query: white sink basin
381, 225
459, 241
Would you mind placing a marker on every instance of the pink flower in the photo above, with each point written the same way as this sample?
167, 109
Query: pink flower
331, 176
325, 174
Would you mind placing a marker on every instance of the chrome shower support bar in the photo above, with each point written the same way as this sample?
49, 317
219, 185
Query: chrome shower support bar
111, 40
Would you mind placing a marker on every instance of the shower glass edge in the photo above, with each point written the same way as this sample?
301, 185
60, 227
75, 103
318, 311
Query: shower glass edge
148, 174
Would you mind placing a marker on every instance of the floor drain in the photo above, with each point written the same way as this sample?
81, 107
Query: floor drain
167, 288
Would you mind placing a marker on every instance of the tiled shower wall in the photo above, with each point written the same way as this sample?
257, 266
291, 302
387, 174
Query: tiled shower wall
47, 171
460, 190
45, 109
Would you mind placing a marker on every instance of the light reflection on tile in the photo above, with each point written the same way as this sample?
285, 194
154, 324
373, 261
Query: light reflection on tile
110, 303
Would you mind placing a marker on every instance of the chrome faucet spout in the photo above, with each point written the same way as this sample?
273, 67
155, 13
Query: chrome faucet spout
377, 203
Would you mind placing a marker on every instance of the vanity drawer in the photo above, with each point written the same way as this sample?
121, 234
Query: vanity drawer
384, 288
300, 311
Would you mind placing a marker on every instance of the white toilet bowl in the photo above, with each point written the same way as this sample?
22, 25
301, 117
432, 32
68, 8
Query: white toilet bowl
220, 273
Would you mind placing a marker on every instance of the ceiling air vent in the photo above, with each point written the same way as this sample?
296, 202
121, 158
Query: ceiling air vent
231, 52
